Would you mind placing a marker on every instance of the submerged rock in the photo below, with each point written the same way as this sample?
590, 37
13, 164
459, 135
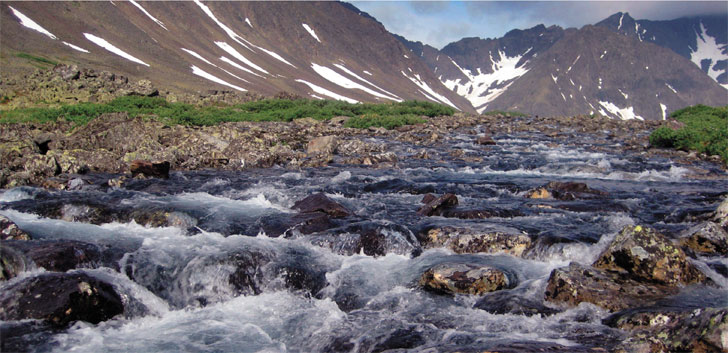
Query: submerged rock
706, 238
60, 299
9, 230
643, 254
435, 205
504, 302
321, 203
150, 169
12, 262
466, 241
565, 191
458, 278
58, 255
670, 330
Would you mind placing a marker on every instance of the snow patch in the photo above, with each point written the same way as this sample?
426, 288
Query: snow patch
708, 49
230, 50
238, 66
340, 80
572, 64
311, 32
325, 92
434, 96
225, 28
276, 56
76, 47
368, 73
620, 22
247, 20
343, 68
25, 21
556, 79
670, 87
605, 53
199, 72
110, 47
664, 111
198, 56
622, 113
148, 14
625, 95
482, 88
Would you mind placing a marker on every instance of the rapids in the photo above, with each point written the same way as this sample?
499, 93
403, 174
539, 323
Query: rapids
313, 293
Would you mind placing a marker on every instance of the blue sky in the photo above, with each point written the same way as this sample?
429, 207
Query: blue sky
438, 23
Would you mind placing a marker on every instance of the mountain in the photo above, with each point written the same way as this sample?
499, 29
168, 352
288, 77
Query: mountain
702, 40
313, 49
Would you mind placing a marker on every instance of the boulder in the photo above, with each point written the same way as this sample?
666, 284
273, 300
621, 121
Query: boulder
485, 140
505, 302
706, 238
67, 72
58, 255
9, 230
671, 330
577, 283
12, 262
60, 299
434, 206
321, 203
565, 191
143, 88
721, 214
466, 241
150, 169
643, 254
459, 278
323, 144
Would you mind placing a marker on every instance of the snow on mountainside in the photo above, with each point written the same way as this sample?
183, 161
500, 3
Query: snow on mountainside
316, 49
703, 40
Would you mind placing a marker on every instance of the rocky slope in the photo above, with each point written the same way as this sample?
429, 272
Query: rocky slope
312, 49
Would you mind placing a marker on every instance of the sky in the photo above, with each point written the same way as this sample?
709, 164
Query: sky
438, 23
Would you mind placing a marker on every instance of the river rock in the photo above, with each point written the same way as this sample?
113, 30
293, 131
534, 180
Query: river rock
466, 241
150, 169
59, 299
565, 191
645, 255
12, 262
485, 140
436, 205
706, 238
321, 203
577, 283
458, 278
323, 144
505, 302
58, 255
9, 230
670, 330
721, 214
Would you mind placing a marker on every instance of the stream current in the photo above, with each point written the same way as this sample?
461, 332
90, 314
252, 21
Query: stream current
174, 280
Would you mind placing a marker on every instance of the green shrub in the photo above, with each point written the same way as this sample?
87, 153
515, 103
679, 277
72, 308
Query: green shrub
505, 113
36, 59
705, 131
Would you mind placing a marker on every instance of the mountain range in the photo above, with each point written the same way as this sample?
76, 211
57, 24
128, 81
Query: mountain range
619, 67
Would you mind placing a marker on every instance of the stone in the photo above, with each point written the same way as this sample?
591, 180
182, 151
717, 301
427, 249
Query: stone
321, 203
323, 144
144, 88
58, 255
12, 262
433, 207
577, 283
485, 140
721, 214
565, 191
706, 238
504, 302
466, 241
150, 169
67, 72
10, 231
60, 299
645, 255
459, 278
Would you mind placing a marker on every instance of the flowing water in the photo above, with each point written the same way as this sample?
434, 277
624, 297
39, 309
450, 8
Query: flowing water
319, 292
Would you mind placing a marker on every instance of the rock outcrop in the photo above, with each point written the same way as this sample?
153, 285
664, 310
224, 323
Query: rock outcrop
460, 278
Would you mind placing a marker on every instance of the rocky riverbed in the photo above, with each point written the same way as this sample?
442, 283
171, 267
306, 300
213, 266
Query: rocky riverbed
466, 233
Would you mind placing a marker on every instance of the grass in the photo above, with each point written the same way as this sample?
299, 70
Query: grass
705, 131
504, 113
36, 59
387, 115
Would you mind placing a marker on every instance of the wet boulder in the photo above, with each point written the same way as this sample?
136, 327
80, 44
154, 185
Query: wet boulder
505, 302
460, 278
706, 238
434, 206
60, 299
58, 255
321, 203
577, 283
12, 262
9, 230
672, 330
566, 191
480, 213
485, 140
370, 238
467, 241
643, 254
150, 169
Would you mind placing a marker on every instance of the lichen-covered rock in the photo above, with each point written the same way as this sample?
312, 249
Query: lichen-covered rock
436, 205
466, 241
645, 255
670, 330
706, 238
323, 144
10, 231
721, 214
60, 299
577, 283
459, 278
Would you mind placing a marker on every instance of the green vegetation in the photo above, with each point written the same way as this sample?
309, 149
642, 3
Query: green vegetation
389, 115
705, 131
36, 59
505, 113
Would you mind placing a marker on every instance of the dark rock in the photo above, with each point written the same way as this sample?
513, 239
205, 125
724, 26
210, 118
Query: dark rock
706, 238
642, 254
246, 279
578, 283
466, 241
458, 278
434, 207
58, 255
480, 214
12, 262
505, 302
59, 299
565, 191
9, 230
485, 140
400, 339
150, 169
670, 330
321, 203
428, 198
26, 336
